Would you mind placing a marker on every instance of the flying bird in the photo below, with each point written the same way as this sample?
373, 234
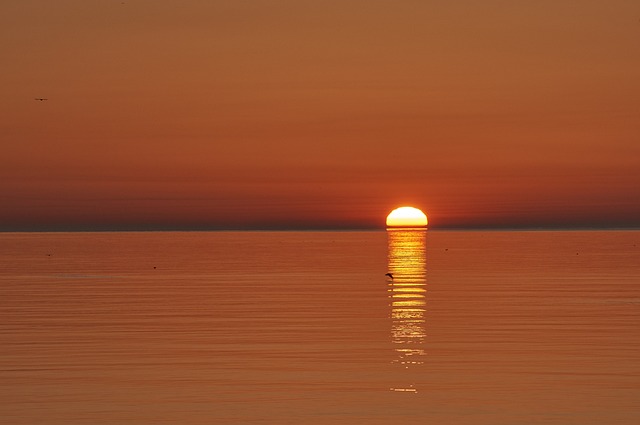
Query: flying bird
41, 98
389, 275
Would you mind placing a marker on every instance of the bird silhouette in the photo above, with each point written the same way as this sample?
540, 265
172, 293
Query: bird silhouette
41, 98
389, 275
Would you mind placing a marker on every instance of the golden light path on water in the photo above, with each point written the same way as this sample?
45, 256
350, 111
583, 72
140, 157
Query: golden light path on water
407, 294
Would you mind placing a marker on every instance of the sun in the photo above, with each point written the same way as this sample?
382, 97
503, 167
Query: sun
407, 217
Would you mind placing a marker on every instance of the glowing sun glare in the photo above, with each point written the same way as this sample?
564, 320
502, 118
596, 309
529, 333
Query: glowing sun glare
406, 217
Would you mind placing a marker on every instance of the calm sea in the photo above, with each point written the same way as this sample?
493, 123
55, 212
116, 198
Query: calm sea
305, 328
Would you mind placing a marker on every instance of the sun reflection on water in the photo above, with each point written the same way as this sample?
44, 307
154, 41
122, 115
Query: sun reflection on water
407, 295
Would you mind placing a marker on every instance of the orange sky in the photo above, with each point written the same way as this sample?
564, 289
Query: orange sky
315, 114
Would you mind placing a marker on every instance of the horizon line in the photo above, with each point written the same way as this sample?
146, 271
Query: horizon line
141, 229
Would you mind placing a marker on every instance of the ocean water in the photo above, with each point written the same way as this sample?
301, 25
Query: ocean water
305, 328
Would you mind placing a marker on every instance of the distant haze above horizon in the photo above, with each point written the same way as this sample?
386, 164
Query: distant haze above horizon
318, 114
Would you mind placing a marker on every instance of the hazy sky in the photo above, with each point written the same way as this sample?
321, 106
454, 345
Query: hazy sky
244, 114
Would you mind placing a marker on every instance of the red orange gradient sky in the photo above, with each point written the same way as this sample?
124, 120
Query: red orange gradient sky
318, 114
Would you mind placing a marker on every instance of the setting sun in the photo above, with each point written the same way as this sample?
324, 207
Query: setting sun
407, 217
